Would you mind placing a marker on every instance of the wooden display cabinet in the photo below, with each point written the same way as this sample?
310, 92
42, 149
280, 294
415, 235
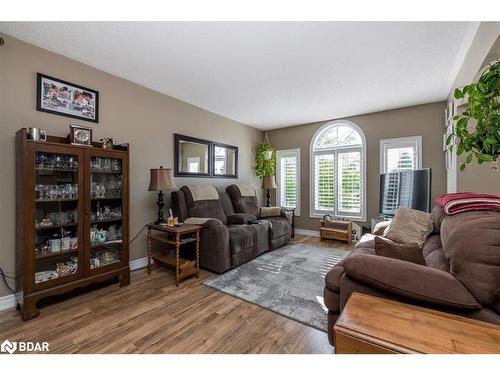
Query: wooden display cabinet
72, 220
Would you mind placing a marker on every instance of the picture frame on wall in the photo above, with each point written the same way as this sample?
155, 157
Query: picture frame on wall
67, 99
451, 110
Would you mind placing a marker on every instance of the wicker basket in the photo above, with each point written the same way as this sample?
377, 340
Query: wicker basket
339, 230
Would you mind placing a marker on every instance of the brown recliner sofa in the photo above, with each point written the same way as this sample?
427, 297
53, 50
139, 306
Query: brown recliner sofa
233, 233
461, 274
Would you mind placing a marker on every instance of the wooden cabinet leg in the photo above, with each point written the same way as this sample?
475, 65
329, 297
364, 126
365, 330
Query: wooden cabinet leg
29, 310
149, 251
197, 254
125, 278
177, 261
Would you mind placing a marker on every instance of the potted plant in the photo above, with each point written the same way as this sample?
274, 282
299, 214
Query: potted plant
481, 141
265, 159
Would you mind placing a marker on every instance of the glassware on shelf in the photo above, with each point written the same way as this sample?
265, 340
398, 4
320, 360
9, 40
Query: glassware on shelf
93, 234
104, 258
49, 161
61, 191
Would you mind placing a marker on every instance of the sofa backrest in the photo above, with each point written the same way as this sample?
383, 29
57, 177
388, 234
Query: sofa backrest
243, 203
471, 244
184, 206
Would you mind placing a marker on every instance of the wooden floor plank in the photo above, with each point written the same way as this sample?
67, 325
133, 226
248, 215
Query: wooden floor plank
151, 315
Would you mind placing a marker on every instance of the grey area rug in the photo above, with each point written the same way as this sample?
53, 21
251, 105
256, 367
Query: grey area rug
288, 281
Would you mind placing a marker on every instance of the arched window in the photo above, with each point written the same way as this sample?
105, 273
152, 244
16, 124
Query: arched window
338, 158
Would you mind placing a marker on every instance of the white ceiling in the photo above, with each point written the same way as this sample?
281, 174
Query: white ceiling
270, 74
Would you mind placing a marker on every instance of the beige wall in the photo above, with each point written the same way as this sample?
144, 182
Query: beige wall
425, 120
128, 113
484, 48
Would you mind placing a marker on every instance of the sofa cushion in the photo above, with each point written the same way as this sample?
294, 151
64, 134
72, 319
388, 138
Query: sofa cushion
243, 204
437, 216
239, 219
226, 203
263, 243
366, 241
471, 243
204, 208
380, 228
409, 226
409, 253
410, 280
242, 237
434, 255
278, 227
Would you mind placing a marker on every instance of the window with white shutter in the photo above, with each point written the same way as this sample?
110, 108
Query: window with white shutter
338, 171
288, 179
398, 154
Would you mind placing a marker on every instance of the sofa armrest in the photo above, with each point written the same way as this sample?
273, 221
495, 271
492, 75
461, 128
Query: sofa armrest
204, 222
266, 212
410, 280
215, 253
239, 219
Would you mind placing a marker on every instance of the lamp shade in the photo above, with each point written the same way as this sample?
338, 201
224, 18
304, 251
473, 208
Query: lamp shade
268, 182
161, 179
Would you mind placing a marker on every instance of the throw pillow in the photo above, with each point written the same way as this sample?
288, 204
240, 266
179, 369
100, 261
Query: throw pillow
390, 249
409, 226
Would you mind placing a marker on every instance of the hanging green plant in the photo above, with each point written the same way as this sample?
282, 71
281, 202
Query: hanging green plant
265, 159
481, 142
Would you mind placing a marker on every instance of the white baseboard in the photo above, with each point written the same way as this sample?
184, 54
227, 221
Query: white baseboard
307, 232
138, 264
8, 302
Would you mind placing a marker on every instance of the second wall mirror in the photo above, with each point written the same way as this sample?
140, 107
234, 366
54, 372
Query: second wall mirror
225, 160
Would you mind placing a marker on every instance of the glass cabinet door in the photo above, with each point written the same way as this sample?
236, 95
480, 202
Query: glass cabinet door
56, 224
106, 213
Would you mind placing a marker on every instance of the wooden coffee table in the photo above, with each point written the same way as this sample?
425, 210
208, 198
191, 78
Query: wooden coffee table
175, 236
373, 325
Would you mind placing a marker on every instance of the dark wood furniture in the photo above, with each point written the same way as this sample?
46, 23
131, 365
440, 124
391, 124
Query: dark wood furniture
373, 325
174, 237
72, 221
340, 230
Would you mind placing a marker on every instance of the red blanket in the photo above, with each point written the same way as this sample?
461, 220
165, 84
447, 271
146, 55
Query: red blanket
460, 202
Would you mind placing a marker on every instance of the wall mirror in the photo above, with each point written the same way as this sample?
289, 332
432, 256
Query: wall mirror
192, 156
225, 160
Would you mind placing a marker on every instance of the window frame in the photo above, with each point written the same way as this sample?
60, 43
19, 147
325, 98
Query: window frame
413, 141
285, 153
313, 213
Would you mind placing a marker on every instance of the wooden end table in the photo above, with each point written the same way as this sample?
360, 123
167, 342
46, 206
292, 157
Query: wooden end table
175, 236
374, 325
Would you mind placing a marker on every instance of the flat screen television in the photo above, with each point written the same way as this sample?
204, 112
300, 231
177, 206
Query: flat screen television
410, 189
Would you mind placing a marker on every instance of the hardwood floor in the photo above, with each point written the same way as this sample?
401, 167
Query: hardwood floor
153, 316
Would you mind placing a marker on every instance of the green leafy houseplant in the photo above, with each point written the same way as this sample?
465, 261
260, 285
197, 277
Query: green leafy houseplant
265, 160
482, 141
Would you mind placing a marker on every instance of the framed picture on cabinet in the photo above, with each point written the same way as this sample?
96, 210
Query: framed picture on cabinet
66, 99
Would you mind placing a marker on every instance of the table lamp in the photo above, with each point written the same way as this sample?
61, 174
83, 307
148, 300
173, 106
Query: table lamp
161, 179
268, 183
